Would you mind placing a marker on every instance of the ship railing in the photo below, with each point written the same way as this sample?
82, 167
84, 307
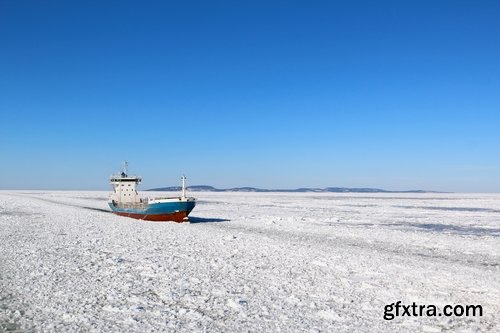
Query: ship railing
165, 198
133, 205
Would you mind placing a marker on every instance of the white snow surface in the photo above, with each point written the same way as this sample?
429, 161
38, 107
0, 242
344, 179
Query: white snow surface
249, 262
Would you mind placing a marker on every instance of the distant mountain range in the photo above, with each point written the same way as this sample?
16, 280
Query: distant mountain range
207, 188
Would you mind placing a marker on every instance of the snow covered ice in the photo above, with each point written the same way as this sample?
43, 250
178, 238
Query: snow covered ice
249, 262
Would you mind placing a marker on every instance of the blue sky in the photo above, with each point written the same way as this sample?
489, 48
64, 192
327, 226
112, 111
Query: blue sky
389, 94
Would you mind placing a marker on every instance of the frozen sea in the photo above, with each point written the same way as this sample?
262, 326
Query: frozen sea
249, 262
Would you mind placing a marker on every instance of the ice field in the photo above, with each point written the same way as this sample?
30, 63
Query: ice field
249, 262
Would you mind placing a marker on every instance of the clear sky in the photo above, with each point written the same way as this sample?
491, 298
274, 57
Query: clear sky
276, 94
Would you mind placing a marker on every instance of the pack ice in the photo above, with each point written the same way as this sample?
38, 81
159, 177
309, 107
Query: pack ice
249, 262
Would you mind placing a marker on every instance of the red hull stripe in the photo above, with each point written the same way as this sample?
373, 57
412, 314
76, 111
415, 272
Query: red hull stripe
174, 217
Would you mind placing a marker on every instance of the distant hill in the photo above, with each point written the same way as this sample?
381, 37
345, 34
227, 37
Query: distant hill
207, 188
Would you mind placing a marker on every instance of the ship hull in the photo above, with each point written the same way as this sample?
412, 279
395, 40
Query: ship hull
174, 210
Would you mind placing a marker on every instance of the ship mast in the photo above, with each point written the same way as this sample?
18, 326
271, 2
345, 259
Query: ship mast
183, 187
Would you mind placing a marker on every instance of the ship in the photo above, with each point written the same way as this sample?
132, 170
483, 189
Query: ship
125, 201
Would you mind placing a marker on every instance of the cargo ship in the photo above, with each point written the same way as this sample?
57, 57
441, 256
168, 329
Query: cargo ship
125, 201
